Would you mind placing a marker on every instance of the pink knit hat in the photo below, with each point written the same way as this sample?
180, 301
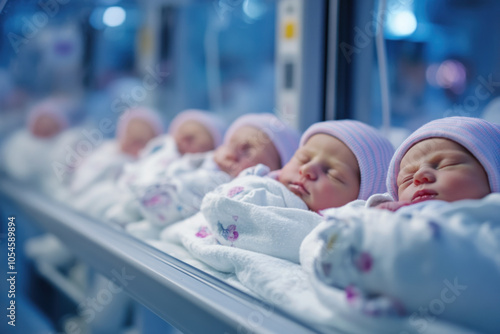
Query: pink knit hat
58, 108
284, 138
148, 115
372, 151
480, 137
215, 125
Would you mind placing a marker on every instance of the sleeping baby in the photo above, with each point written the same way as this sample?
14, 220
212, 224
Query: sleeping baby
252, 139
271, 213
435, 235
191, 131
28, 155
96, 176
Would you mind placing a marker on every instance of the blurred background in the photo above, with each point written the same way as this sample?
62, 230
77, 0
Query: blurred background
304, 60
238, 56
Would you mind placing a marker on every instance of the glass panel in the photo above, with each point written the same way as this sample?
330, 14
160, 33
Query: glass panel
216, 55
109, 55
442, 60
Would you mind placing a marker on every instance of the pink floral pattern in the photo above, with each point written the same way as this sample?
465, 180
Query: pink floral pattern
203, 232
228, 233
364, 262
234, 191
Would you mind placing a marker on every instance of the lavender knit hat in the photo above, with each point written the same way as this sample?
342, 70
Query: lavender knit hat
372, 151
284, 138
215, 125
148, 115
480, 137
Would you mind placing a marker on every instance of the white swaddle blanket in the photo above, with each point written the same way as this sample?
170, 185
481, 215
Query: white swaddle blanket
429, 260
93, 188
153, 161
152, 164
177, 194
260, 214
281, 283
45, 163
105, 162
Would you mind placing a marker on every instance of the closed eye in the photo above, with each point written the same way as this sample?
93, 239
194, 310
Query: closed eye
448, 163
406, 179
302, 158
246, 149
334, 174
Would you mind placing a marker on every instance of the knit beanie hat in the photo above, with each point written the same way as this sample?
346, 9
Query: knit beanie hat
148, 115
284, 138
58, 108
480, 137
215, 125
372, 151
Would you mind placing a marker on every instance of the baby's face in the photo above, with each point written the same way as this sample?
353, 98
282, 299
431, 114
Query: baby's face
441, 169
45, 126
193, 137
137, 135
324, 173
247, 147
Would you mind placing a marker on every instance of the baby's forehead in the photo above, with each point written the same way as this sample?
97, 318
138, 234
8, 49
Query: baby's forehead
320, 141
190, 125
248, 133
431, 147
46, 118
139, 125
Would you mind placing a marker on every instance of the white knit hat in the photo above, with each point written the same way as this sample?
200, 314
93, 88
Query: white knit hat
372, 151
215, 125
148, 115
480, 137
284, 138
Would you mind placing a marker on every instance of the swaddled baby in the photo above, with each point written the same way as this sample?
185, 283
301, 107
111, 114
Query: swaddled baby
94, 181
434, 237
271, 213
252, 139
30, 154
191, 131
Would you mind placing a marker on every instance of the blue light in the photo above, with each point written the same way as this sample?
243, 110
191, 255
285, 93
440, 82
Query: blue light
402, 23
254, 9
114, 16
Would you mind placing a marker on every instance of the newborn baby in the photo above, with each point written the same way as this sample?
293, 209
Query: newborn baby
93, 188
191, 131
252, 139
28, 155
338, 162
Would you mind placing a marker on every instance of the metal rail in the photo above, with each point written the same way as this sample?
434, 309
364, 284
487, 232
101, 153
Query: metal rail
189, 299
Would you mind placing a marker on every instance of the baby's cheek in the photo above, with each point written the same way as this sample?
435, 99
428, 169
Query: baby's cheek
403, 194
129, 148
45, 130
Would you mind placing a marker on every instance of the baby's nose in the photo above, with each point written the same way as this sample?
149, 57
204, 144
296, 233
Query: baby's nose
309, 171
424, 175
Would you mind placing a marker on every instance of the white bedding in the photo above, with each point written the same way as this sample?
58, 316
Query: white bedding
281, 283
428, 260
